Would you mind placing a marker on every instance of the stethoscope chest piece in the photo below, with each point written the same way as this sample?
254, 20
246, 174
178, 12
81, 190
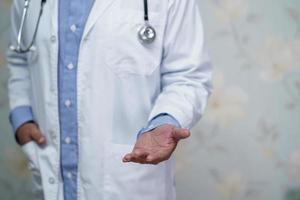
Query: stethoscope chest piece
146, 34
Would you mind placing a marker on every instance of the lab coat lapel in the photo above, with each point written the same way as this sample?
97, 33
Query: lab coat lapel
53, 11
99, 7
54, 16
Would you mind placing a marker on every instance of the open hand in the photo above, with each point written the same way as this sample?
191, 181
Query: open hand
29, 132
157, 145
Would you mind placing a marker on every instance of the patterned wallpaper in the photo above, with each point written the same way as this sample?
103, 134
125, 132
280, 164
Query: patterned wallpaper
247, 145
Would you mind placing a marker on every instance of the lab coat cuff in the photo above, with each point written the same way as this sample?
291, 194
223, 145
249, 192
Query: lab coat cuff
20, 115
160, 119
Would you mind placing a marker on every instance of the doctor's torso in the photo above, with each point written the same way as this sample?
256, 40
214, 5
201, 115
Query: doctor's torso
121, 83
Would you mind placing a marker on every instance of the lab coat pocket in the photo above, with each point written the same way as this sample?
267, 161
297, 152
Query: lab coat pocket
30, 151
130, 58
125, 54
132, 181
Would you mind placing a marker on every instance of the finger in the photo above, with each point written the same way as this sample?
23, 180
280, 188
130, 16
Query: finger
181, 133
127, 157
154, 160
140, 154
38, 137
131, 158
137, 156
138, 160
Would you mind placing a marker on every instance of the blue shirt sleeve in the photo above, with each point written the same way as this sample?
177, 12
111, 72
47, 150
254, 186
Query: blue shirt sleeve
160, 119
19, 116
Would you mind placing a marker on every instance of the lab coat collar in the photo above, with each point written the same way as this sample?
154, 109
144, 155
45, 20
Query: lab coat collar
97, 11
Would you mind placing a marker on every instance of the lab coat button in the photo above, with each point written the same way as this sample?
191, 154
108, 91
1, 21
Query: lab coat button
52, 89
52, 134
53, 38
51, 180
73, 28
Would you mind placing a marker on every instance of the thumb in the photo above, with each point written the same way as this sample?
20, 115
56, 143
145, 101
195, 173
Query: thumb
181, 133
37, 136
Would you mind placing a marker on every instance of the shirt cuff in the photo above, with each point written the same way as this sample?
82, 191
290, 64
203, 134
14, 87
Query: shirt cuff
19, 116
158, 120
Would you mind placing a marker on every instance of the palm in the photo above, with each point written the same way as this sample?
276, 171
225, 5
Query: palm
159, 142
156, 145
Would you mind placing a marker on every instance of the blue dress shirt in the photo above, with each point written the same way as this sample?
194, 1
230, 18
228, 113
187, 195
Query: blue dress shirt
163, 118
71, 22
72, 19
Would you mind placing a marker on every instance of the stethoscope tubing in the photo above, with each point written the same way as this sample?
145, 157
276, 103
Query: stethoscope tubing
143, 34
146, 16
19, 49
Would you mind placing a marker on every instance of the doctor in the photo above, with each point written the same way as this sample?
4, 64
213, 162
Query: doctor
101, 92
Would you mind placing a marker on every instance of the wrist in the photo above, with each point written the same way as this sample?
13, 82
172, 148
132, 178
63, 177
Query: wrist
159, 120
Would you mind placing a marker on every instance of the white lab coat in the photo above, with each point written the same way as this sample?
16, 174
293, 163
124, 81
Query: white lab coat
121, 84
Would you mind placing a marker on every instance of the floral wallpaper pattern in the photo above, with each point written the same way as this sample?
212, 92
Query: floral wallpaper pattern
247, 145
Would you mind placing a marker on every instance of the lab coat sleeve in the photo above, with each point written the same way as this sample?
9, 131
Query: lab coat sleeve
185, 68
19, 84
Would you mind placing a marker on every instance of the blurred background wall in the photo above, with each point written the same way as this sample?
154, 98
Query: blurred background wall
247, 145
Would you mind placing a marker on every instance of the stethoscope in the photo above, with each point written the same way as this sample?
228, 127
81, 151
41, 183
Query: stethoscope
30, 47
146, 34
